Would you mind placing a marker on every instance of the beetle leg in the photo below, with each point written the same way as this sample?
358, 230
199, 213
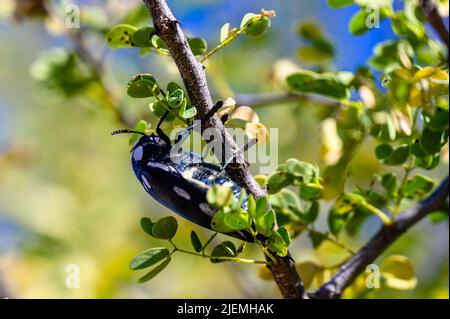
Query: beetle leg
160, 132
240, 151
213, 111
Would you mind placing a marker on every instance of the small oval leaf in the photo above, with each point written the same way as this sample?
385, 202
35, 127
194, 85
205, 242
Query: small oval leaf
165, 228
148, 258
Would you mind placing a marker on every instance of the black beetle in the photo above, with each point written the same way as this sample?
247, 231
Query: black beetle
181, 183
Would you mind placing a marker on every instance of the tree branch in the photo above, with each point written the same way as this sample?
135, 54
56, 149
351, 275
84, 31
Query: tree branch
431, 12
256, 101
381, 241
194, 79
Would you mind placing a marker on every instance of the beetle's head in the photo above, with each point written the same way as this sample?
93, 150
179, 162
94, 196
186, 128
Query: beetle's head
148, 148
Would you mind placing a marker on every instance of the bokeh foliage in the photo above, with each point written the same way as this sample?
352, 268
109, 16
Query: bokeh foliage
382, 145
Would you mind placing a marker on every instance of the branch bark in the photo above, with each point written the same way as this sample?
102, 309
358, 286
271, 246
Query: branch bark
381, 241
431, 12
194, 79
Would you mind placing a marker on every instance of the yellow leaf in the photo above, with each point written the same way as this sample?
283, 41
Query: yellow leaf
261, 180
228, 106
424, 73
331, 143
264, 273
398, 273
258, 131
241, 116
308, 271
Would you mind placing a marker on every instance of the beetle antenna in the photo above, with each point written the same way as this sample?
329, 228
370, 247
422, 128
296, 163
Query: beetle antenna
126, 131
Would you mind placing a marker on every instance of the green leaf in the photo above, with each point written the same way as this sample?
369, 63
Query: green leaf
159, 44
257, 25
251, 206
418, 187
147, 225
339, 3
225, 249
285, 235
261, 206
247, 18
313, 55
165, 228
390, 183
140, 126
402, 25
141, 38
336, 222
302, 171
278, 245
120, 36
277, 181
195, 241
219, 196
383, 151
398, 273
431, 141
428, 162
218, 223
417, 150
347, 203
159, 109
172, 87
362, 21
187, 111
326, 84
310, 191
148, 258
155, 271
236, 220
313, 212
175, 98
265, 223
309, 30
317, 238
198, 46
386, 55
438, 216
143, 86
437, 122
400, 155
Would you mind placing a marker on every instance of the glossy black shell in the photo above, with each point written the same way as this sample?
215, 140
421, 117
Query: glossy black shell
180, 183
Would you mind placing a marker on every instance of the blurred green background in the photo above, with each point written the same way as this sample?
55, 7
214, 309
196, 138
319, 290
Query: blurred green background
67, 191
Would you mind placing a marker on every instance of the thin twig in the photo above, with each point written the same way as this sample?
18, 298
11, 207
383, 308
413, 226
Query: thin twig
256, 101
194, 78
381, 241
96, 69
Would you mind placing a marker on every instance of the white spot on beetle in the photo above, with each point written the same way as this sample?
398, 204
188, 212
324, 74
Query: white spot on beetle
138, 153
208, 210
182, 193
228, 184
159, 166
146, 183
